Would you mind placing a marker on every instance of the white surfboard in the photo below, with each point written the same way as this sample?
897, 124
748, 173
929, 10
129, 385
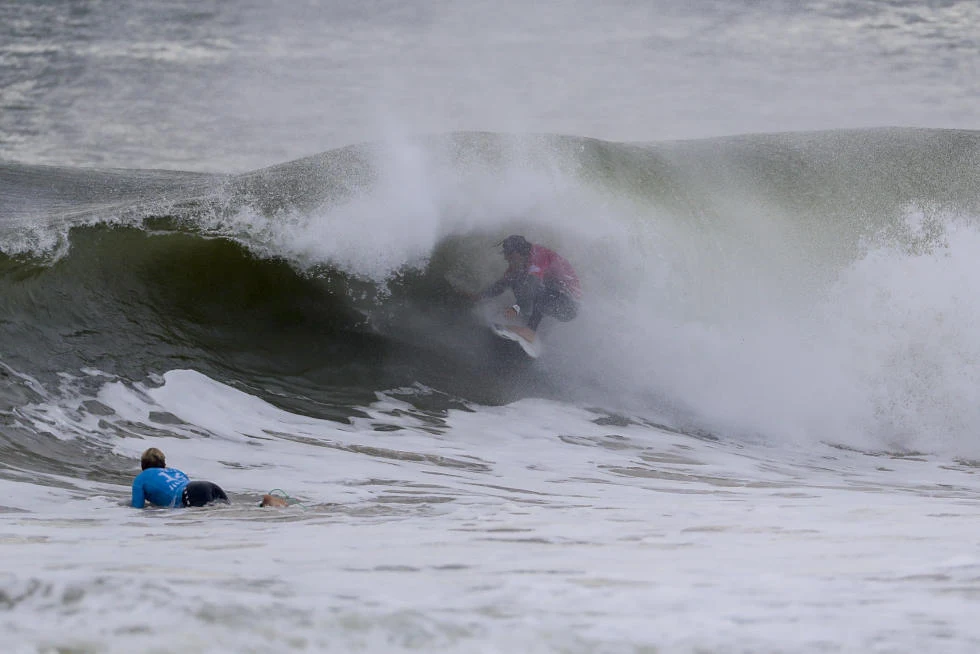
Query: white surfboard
532, 349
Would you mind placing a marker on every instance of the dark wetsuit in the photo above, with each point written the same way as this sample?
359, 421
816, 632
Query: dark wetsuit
548, 286
201, 493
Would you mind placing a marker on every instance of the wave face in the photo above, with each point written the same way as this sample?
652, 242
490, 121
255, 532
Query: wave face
728, 281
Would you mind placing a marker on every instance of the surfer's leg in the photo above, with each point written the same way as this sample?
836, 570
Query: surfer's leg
200, 493
554, 303
563, 307
526, 290
535, 318
542, 302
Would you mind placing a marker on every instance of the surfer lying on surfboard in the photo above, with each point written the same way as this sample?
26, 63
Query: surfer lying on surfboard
543, 282
162, 486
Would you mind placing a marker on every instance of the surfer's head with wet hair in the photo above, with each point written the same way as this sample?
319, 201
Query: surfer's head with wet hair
153, 458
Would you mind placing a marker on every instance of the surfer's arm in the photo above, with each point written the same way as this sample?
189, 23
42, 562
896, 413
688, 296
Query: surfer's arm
494, 289
139, 500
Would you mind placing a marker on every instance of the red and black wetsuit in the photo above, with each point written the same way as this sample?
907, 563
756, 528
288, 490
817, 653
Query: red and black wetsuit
548, 285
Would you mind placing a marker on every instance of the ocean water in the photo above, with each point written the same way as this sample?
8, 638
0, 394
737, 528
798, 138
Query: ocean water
243, 233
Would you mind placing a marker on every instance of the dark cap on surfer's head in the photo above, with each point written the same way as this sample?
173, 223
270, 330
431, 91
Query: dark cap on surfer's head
515, 243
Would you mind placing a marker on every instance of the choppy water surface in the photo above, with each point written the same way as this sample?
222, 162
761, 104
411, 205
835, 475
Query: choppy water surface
240, 232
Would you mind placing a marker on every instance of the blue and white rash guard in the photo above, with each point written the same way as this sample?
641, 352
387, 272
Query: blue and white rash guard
159, 486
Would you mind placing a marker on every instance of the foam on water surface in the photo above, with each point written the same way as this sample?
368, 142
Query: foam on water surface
537, 525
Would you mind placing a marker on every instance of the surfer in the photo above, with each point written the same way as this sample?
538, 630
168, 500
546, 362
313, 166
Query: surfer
543, 282
169, 487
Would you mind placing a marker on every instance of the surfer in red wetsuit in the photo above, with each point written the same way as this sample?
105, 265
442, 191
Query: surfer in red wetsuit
543, 282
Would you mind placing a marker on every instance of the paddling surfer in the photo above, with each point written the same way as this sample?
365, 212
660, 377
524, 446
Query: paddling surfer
170, 487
